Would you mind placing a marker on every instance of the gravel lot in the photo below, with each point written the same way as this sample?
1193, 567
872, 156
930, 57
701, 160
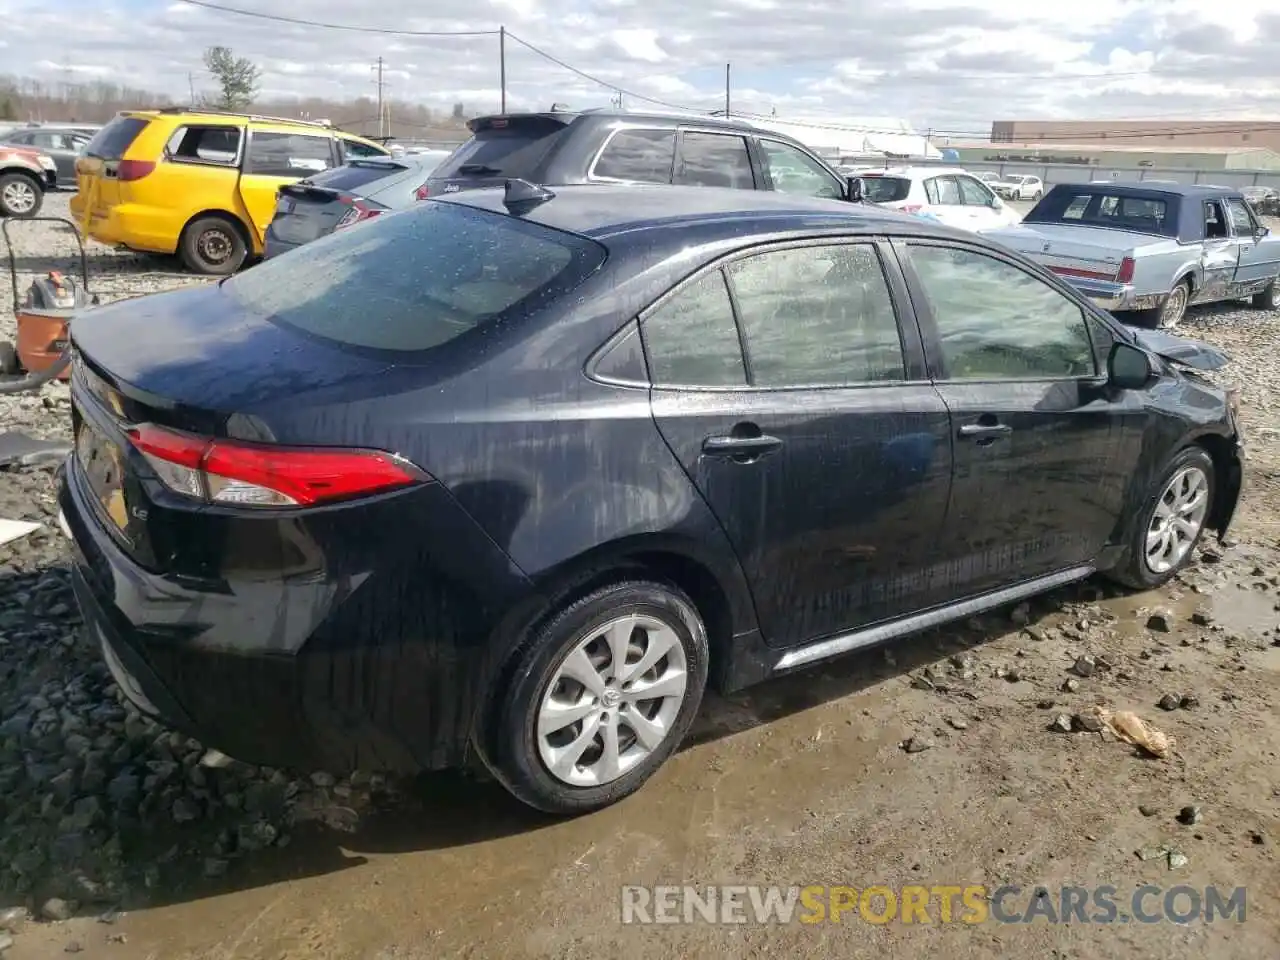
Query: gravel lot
116, 840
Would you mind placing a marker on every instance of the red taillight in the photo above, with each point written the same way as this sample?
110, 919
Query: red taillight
359, 212
911, 207
134, 169
421, 193
260, 475
1125, 273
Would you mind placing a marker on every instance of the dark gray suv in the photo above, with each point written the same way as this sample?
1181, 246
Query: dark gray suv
617, 146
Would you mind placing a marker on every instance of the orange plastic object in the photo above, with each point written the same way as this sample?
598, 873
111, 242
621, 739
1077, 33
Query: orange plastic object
42, 336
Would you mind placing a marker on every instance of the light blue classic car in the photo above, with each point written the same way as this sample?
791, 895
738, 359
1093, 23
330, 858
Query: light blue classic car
1151, 250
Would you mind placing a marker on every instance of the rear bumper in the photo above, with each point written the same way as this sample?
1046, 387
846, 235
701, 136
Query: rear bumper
383, 671
128, 225
1116, 297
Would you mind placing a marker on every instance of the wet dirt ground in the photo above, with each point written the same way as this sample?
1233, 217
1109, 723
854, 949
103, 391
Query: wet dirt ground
806, 781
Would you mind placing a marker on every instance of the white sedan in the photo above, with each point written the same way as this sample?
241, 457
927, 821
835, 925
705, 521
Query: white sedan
949, 195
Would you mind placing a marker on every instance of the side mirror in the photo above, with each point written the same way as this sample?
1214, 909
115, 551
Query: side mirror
1263, 232
1128, 368
854, 191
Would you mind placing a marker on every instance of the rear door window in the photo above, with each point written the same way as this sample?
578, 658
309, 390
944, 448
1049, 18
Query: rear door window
111, 142
217, 144
714, 160
416, 281
642, 156
288, 154
691, 340
817, 316
513, 150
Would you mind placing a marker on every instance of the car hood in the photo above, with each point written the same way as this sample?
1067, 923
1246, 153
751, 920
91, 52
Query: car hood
1191, 353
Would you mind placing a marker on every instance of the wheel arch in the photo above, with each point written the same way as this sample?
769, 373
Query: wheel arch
1227, 477
719, 595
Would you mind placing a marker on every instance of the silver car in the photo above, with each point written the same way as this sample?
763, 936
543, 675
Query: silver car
1151, 249
63, 144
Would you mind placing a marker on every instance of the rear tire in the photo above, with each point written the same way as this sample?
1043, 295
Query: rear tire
1170, 313
1190, 468
567, 767
21, 196
1267, 298
213, 246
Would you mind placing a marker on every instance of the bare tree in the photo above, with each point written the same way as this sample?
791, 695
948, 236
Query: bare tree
237, 77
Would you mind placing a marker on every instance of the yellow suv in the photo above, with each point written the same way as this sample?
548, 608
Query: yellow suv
199, 183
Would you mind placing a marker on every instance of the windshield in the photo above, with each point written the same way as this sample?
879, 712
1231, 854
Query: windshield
514, 150
413, 281
885, 189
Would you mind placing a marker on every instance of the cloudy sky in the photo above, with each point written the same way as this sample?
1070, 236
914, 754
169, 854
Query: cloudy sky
950, 65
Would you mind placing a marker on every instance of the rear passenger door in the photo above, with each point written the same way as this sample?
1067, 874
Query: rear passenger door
274, 158
1043, 447
801, 411
943, 194
707, 159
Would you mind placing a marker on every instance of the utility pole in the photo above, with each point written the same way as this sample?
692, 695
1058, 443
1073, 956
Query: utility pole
502, 67
727, 68
381, 121
191, 86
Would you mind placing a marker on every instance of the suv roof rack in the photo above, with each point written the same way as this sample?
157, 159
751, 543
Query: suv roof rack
213, 112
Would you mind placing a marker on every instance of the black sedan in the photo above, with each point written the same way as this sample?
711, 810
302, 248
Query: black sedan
521, 471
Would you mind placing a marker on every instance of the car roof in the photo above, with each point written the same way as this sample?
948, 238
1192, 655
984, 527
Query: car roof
1165, 188
920, 173
611, 114
601, 211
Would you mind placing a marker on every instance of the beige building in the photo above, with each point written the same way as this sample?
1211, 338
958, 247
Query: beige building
1187, 134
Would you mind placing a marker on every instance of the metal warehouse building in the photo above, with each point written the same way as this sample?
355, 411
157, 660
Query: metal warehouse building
1100, 154
1189, 135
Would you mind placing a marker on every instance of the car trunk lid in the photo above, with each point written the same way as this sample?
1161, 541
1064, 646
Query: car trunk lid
1070, 251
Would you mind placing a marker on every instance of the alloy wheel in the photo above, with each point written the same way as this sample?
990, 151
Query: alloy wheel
1178, 519
612, 701
19, 197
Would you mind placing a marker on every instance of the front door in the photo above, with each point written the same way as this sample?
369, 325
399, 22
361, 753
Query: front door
803, 417
1043, 448
1259, 257
274, 158
1221, 254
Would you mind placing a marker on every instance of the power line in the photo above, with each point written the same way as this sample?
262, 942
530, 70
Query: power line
604, 83
275, 18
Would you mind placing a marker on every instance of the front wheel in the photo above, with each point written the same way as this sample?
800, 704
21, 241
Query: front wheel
601, 696
20, 196
1268, 298
1171, 523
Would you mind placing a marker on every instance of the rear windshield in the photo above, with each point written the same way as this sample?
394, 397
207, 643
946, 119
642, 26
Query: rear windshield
413, 281
353, 176
116, 137
512, 151
1100, 208
885, 189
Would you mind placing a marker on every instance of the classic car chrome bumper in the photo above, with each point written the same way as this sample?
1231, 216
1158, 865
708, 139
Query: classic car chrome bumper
1116, 297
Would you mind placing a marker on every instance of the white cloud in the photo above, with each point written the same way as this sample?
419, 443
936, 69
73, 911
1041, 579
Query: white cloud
948, 64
